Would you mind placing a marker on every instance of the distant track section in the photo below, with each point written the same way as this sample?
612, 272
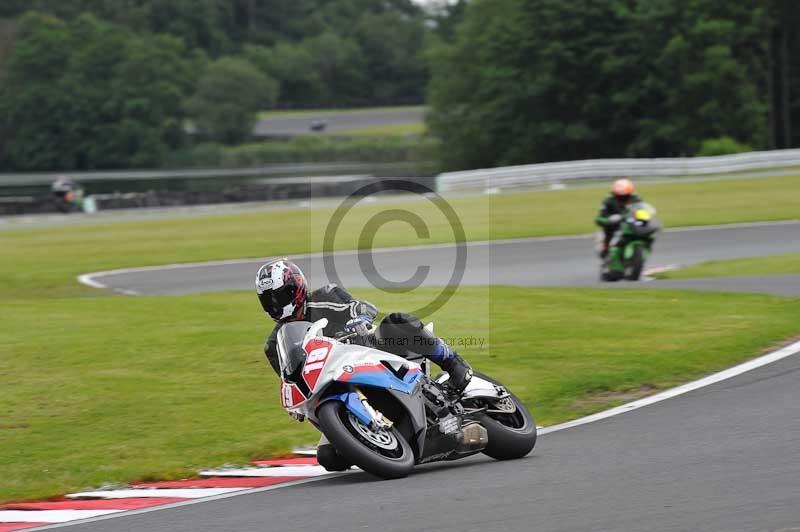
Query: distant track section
554, 261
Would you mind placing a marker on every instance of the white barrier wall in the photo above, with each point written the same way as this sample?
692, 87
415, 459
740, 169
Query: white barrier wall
536, 174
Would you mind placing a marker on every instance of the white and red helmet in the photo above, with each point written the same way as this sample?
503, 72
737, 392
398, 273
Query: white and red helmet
282, 290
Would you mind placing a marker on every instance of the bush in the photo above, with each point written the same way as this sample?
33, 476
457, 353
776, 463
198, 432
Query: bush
722, 146
205, 155
308, 149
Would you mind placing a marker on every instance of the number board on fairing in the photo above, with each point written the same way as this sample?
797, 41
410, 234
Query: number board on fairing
318, 351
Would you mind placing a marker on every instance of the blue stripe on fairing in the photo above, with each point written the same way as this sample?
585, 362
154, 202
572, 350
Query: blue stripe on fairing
386, 379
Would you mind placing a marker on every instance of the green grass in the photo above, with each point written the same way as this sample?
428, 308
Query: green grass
101, 388
116, 389
312, 113
771, 265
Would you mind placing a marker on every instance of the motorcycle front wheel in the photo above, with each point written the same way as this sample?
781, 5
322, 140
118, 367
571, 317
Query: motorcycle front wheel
384, 453
637, 264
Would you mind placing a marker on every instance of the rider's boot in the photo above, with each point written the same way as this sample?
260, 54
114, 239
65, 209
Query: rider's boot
456, 367
329, 458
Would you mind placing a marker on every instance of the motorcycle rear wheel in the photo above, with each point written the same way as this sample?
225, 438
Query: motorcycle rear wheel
385, 454
511, 435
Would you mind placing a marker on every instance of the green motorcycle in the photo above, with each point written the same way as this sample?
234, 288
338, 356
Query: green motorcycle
633, 244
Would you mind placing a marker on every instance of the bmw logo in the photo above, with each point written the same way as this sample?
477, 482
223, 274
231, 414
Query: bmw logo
347, 369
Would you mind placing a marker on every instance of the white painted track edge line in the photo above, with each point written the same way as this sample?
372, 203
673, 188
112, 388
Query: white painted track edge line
714, 378
187, 502
88, 279
708, 380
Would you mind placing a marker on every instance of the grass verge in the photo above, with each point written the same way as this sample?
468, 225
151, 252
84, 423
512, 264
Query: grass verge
771, 265
116, 389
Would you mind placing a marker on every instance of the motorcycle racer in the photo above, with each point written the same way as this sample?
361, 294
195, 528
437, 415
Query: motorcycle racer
283, 293
613, 208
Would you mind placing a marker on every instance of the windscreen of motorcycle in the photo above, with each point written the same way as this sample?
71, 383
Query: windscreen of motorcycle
290, 347
644, 218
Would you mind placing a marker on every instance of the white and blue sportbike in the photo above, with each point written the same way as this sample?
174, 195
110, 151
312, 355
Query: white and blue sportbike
384, 414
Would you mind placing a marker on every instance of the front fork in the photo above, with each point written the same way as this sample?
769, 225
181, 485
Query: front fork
379, 421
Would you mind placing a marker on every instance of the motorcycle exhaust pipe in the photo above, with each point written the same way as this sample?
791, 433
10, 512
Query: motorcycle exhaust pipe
474, 438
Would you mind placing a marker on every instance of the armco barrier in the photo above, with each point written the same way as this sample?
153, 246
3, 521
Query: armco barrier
539, 174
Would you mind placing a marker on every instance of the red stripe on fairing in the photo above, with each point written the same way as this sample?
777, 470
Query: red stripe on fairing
304, 460
92, 504
220, 482
8, 527
372, 368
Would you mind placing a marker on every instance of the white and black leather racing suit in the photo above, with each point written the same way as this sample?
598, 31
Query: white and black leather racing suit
395, 333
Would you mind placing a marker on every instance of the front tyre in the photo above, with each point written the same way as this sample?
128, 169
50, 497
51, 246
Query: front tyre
385, 454
637, 264
510, 427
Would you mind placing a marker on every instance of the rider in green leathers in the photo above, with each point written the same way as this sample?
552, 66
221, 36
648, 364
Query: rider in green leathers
613, 208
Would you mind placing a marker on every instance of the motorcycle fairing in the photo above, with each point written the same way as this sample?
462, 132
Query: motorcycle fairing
379, 376
630, 248
291, 395
478, 387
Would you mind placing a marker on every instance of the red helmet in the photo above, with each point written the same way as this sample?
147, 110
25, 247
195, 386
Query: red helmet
282, 290
622, 189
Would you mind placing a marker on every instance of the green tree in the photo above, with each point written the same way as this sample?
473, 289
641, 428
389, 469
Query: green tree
706, 77
34, 112
228, 97
88, 94
532, 80
784, 73
392, 44
200, 23
149, 87
543, 80
340, 64
293, 67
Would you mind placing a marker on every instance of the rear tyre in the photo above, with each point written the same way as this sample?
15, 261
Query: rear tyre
511, 434
637, 264
385, 454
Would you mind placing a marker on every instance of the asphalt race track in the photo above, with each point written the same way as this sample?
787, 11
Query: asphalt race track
557, 261
338, 122
720, 458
